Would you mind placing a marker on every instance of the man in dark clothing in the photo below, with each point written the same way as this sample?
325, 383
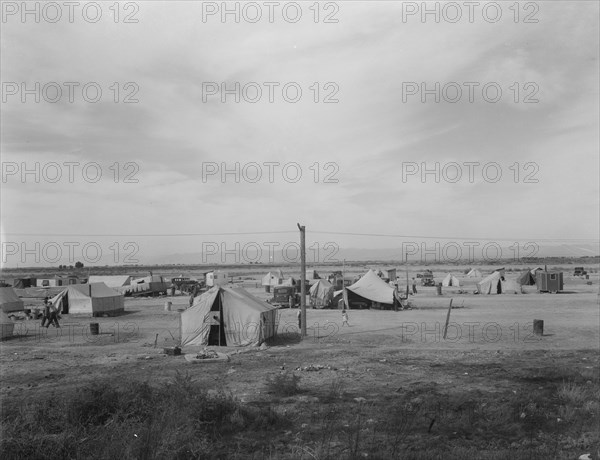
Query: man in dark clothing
46, 313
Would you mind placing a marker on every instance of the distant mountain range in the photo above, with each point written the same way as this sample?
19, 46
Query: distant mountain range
449, 253
430, 253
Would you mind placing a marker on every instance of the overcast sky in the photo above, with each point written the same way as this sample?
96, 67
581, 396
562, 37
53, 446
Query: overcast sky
369, 143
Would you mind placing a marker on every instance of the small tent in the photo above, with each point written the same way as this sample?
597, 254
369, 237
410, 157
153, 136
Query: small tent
474, 273
7, 325
491, 284
272, 278
96, 299
9, 300
228, 316
288, 282
450, 280
321, 294
115, 281
526, 278
370, 288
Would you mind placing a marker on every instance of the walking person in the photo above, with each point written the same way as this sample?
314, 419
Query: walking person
345, 318
53, 316
414, 286
46, 313
299, 314
191, 299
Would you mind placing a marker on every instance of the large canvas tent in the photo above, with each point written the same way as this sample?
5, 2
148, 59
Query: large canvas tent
474, 273
491, 284
112, 281
450, 280
96, 299
321, 294
496, 284
228, 316
368, 289
9, 300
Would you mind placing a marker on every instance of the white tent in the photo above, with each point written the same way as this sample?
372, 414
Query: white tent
9, 300
7, 325
228, 316
491, 284
371, 288
96, 299
116, 281
450, 280
272, 278
321, 294
474, 273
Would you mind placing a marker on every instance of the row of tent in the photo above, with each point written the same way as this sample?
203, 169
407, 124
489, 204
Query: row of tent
276, 278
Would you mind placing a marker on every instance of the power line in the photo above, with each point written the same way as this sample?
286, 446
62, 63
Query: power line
147, 234
424, 237
318, 232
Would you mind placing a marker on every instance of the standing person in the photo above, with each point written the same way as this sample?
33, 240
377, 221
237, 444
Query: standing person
341, 305
345, 318
192, 299
414, 286
291, 302
173, 290
53, 317
46, 313
397, 304
299, 314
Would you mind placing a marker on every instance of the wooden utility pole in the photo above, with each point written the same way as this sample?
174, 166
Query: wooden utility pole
302, 229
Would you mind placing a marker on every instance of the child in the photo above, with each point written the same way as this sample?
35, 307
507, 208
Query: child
345, 318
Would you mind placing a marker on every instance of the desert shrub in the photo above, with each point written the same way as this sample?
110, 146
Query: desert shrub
130, 420
283, 384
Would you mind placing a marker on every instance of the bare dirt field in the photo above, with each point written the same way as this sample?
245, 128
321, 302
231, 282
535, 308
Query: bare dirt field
387, 386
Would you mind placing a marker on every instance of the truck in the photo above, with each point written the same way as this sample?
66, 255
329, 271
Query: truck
427, 279
282, 294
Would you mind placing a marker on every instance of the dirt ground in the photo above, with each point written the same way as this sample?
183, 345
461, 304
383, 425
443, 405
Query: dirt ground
489, 346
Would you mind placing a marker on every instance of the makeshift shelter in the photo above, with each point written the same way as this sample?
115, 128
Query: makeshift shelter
228, 316
549, 281
526, 278
474, 273
288, 282
115, 281
217, 278
153, 284
321, 294
491, 284
272, 278
369, 291
9, 300
7, 325
450, 280
312, 275
96, 299
22, 283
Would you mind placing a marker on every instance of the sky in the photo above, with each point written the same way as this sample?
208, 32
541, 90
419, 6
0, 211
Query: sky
342, 150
